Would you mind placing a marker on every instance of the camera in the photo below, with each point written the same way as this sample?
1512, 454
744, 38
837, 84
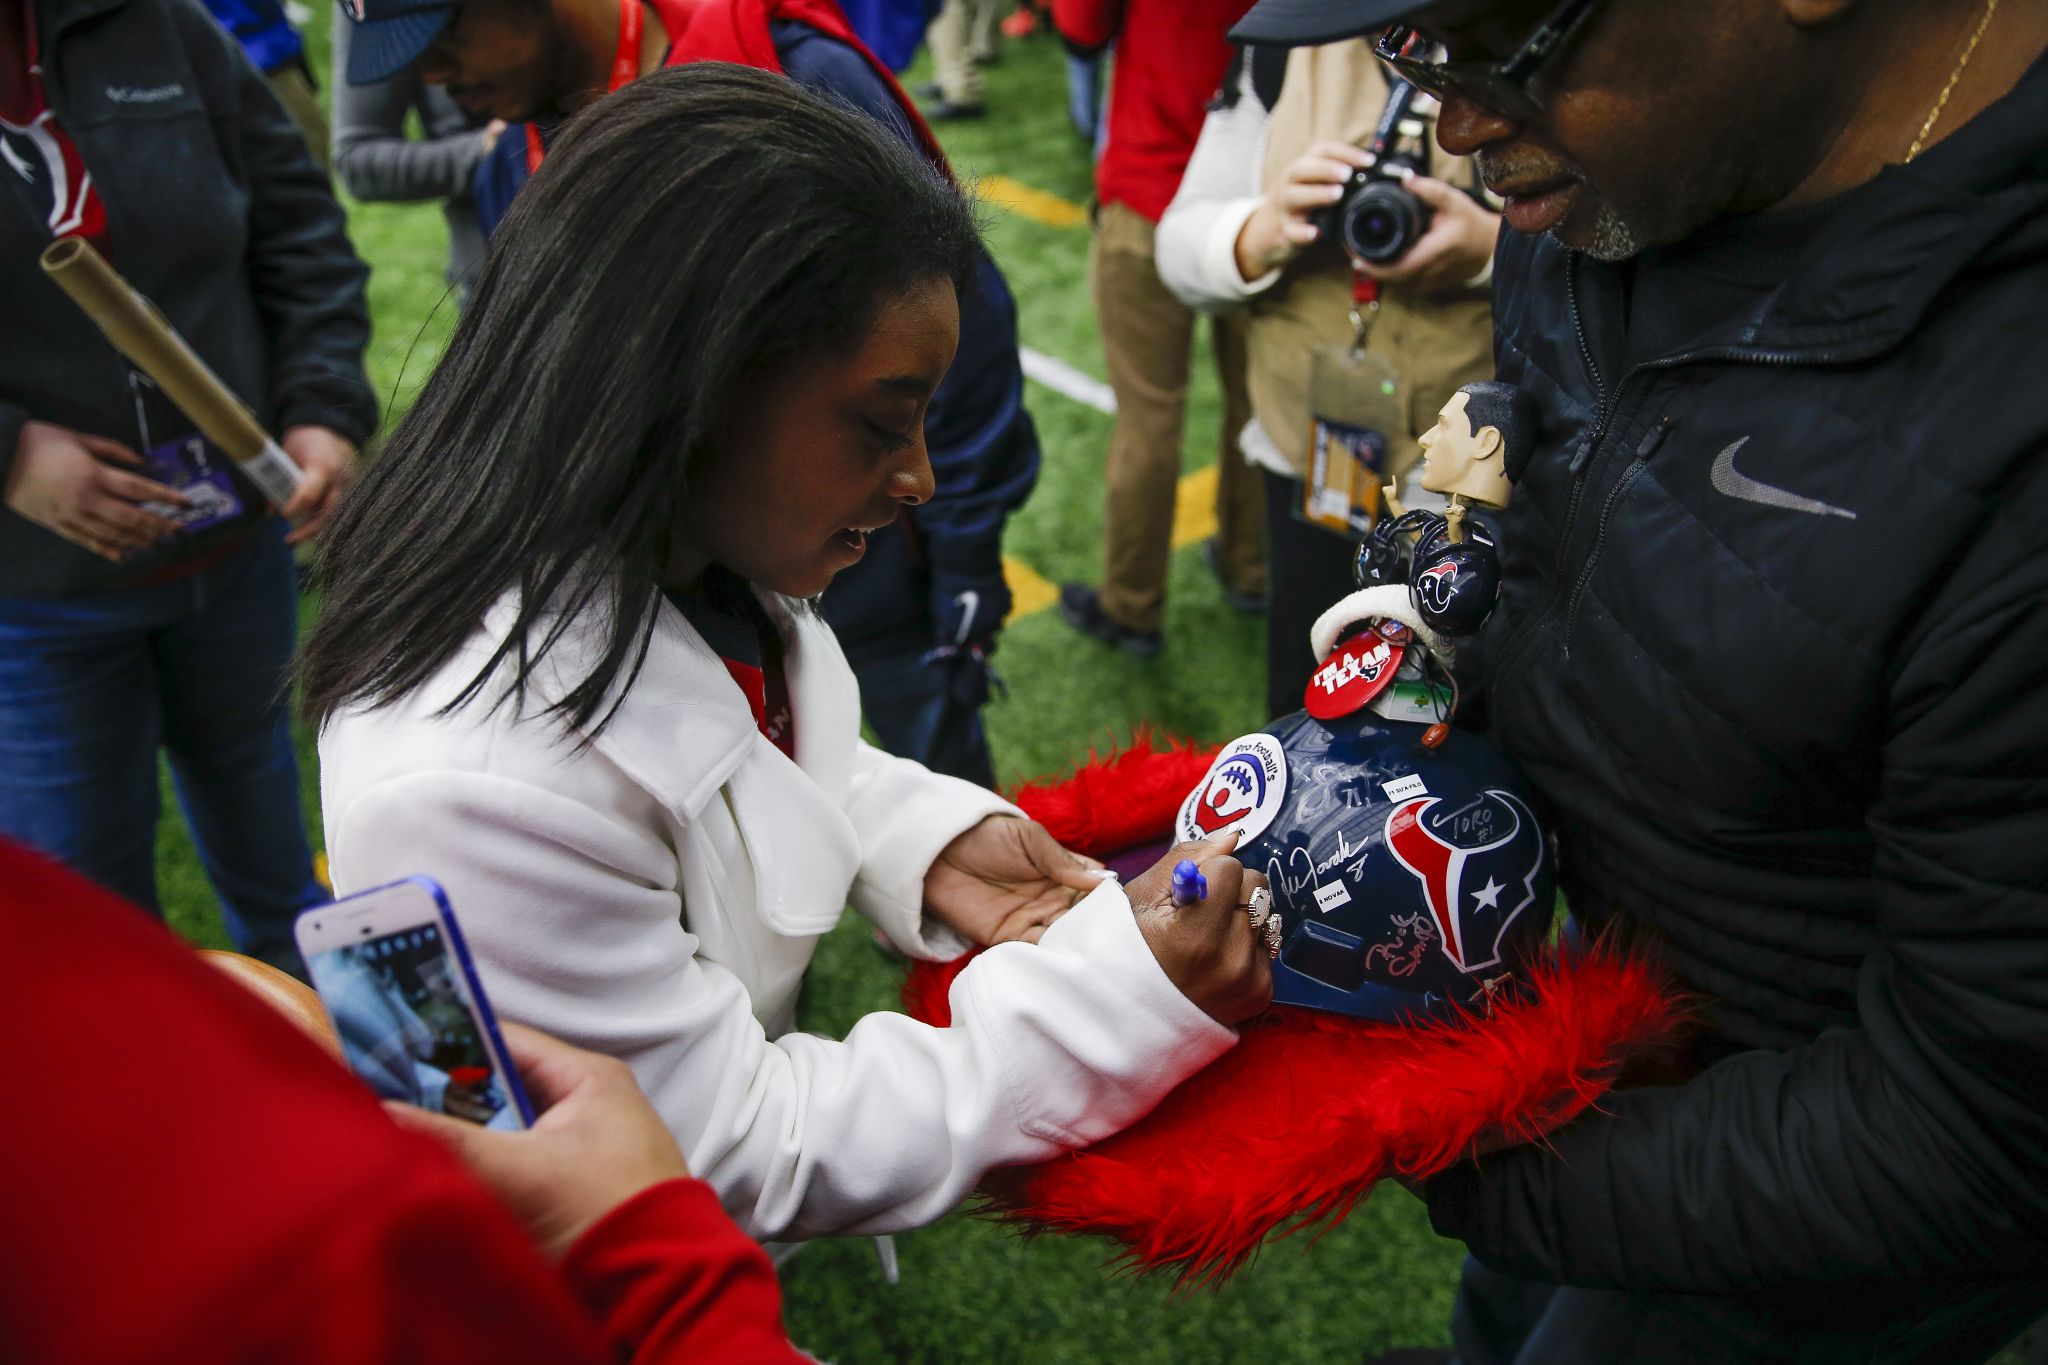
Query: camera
1377, 219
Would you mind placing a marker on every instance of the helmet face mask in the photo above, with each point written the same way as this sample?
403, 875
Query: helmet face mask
1413, 880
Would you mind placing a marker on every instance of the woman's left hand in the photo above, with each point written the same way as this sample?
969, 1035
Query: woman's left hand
1006, 879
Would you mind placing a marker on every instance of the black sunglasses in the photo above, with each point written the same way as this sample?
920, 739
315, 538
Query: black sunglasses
1500, 86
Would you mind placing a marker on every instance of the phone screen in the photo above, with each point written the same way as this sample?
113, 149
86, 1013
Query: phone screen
406, 1024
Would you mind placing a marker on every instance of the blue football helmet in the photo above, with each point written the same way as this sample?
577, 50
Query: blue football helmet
1412, 879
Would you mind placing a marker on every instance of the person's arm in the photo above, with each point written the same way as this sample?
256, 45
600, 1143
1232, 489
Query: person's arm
985, 455
599, 1183
1196, 244
983, 446
1915, 1144
578, 924
306, 279
373, 156
672, 1278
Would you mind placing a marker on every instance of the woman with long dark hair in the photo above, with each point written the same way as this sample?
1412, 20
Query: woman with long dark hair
566, 666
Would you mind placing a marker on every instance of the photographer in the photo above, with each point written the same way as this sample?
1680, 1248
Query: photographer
1242, 233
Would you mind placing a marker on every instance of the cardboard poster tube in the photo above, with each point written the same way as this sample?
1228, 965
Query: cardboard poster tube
139, 332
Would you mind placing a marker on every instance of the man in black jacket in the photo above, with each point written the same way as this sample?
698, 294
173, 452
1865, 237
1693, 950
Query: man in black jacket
1773, 647
129, 617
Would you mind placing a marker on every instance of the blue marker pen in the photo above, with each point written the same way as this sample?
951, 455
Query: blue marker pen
1189, 885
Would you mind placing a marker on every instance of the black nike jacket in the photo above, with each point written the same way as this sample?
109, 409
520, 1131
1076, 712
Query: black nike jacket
1773, 647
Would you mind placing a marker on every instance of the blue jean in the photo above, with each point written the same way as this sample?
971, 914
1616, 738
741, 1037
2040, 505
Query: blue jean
92, 685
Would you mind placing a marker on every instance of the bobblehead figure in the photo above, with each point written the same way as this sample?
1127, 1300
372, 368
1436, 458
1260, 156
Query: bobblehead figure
1465, 455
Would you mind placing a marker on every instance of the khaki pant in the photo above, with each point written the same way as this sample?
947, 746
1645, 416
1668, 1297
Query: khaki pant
1147, 335
296, 93
966, 32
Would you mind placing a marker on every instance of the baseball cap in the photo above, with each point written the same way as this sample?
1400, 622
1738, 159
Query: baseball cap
390, 35
1305, 23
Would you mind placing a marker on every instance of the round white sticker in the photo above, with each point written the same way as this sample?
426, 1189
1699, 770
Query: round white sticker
1242, 791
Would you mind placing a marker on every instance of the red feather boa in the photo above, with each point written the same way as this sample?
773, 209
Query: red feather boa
1290, 1128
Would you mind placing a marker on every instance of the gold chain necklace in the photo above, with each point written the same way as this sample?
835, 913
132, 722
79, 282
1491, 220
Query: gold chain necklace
1990, 8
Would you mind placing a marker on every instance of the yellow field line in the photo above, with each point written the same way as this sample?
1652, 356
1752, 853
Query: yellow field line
1048, 210
1030, 591
1194, 507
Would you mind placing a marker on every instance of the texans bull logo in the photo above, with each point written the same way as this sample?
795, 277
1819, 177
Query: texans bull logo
1477, 867
1234, 790
1434, 586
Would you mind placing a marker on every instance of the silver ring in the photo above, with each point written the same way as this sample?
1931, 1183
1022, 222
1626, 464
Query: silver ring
1274, 936
1259, 906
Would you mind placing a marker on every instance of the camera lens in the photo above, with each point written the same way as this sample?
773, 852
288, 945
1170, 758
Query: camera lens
1382, 221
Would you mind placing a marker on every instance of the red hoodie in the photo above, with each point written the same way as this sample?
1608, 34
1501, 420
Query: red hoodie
1170, 58
189, 1178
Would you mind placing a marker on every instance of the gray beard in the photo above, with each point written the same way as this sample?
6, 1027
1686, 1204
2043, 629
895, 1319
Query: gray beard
1613, 239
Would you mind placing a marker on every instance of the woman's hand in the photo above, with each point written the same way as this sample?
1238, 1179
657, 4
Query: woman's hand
65, 481
1006, 879
328, 461
1279, 228
1210, 949
598, 1141
1457, 245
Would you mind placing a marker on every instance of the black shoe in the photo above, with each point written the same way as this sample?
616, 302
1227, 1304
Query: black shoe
945, 111
1250, 603
1081, 608
928, 92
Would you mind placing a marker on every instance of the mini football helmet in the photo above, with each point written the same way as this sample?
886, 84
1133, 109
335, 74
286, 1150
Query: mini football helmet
1413, 880
1453, 585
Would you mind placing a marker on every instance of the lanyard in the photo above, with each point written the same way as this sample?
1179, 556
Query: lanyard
625, 68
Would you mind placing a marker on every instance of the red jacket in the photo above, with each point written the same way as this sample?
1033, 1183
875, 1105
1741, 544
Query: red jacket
738, 31
1170, 56
190, 1179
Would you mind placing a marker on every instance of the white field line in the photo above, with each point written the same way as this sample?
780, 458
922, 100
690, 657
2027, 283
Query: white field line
1066, 381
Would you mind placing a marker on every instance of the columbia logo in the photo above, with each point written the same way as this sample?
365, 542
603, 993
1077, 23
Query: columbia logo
143, 94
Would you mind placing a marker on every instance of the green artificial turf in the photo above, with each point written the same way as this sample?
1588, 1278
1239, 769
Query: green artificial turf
971, 1291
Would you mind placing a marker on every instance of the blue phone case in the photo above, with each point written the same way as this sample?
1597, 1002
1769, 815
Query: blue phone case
486, 1016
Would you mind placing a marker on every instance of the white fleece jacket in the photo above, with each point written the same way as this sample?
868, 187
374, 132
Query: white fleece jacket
657, 895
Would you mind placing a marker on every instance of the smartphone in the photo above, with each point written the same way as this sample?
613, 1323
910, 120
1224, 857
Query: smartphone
403, 996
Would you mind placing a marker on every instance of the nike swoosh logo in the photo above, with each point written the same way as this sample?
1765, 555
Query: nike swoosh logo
967, 602
1727, 480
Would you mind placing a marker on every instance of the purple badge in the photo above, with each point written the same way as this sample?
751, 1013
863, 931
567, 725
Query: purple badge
201, 474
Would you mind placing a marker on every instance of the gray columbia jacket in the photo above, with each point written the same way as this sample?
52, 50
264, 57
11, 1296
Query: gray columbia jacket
216, 211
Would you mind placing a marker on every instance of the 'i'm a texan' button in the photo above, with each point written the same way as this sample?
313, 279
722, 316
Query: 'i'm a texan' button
1360, 670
